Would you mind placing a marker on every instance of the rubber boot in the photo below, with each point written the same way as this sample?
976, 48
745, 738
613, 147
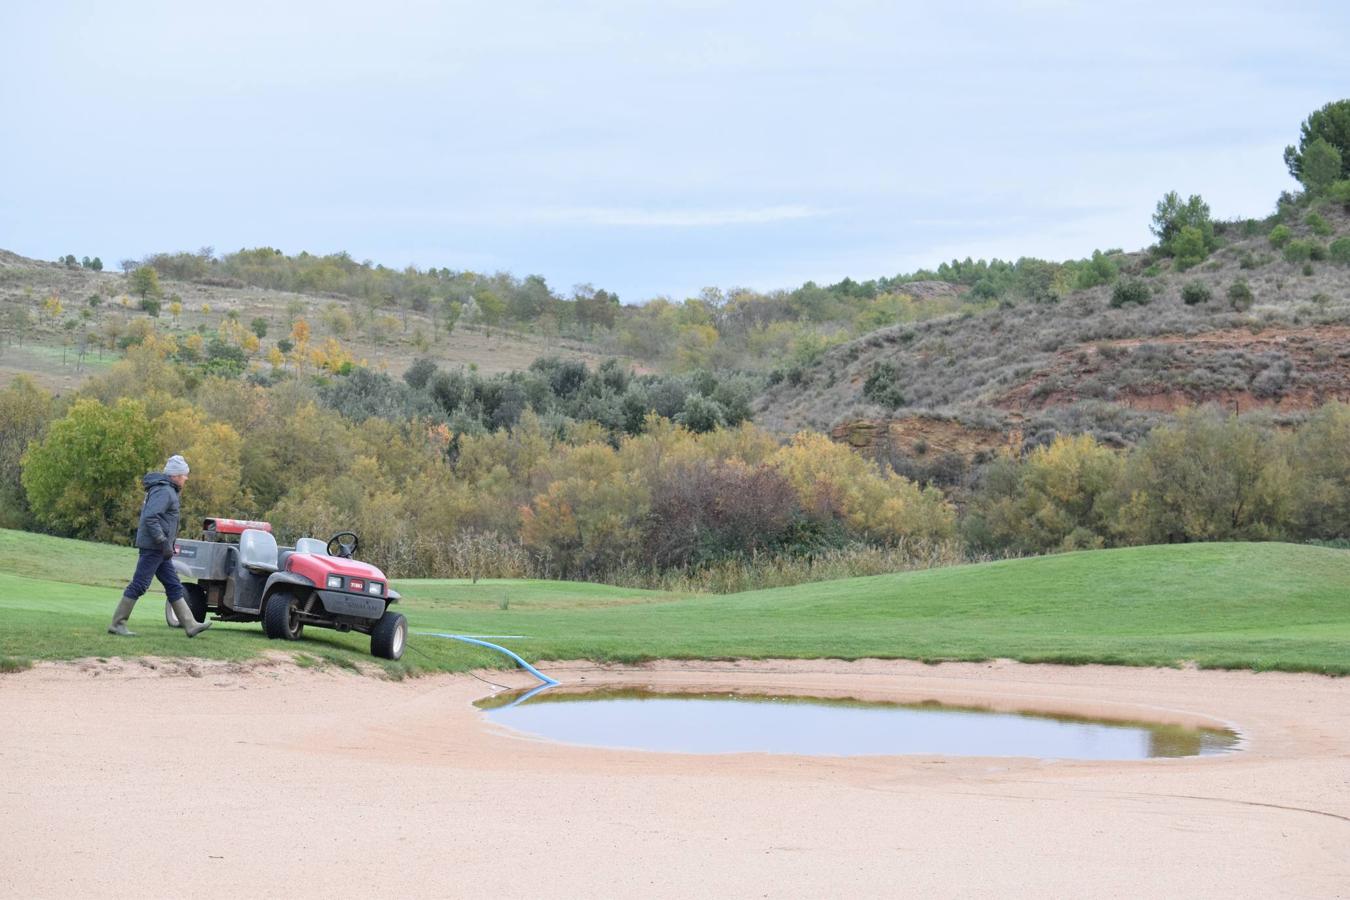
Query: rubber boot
190, 625
120, 616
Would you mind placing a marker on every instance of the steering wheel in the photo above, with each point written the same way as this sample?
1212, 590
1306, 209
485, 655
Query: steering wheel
338, 547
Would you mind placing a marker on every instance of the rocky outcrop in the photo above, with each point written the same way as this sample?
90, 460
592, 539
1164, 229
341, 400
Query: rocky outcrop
920, 436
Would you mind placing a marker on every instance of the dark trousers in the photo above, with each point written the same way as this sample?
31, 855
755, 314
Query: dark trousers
154, 564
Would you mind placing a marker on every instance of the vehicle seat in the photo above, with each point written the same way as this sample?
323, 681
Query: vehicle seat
312, 546
257, 551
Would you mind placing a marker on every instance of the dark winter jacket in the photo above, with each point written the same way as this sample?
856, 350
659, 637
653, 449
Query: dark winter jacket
159, 514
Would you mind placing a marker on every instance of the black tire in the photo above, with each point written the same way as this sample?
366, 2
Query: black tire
281, 620
389, 636
195, 595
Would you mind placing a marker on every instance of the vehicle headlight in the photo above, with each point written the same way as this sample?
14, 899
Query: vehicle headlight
375, 587
335, 581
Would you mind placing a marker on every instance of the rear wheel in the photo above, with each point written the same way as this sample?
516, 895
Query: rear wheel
281, 619
195, 596
389, 636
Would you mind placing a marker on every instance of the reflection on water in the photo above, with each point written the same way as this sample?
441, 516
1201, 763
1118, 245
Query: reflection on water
739, 723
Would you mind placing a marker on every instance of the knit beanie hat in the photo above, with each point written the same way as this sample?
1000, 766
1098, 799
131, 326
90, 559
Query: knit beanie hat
176, 466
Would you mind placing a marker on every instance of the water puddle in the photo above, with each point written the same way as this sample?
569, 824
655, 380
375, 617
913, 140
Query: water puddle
635, 719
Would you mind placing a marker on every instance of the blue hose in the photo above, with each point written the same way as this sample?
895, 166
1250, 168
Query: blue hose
547, 682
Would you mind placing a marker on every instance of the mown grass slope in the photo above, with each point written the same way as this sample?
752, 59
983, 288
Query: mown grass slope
1259, 606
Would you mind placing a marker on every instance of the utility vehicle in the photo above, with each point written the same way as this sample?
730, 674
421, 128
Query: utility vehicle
240, 574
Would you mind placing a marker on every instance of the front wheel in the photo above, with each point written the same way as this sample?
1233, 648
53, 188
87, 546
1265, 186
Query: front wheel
281, 618
389, 636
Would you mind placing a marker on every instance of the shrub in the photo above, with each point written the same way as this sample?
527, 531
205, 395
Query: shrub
881, 387
701, 414
1130, 291
1318, 225
1339, 192
1189, 247
704, 512
150, 305
1302, 250
1246, 260
1240, 296
1195, 292
1279, 236
1339, 251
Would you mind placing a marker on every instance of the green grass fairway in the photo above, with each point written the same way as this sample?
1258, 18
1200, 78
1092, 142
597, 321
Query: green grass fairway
1259, 606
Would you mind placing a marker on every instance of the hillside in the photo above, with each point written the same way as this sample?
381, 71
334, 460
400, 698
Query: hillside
1083, 365
48, 347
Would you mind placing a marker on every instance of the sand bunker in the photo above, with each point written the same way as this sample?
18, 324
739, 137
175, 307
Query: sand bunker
221, 780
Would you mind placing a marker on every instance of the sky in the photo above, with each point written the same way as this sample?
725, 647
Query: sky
651, 149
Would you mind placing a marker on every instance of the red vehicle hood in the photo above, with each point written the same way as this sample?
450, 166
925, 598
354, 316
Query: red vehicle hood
317, 568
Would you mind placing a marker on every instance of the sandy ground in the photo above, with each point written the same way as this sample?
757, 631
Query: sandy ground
219, 780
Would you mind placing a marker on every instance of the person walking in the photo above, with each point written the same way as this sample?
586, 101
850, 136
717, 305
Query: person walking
155, 536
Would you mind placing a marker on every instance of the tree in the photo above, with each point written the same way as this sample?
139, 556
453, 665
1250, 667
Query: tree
1321, 483
1063, 497
53, 308
1321, 166
1205, 478
83, 479
530, 300
214, 450
1098, 270
18, 322
595, 307
590, 514
831, 478
450, 311
1173, 215
25, 410
419, 373
259, 327
490, 307
1330, 123
145, 281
